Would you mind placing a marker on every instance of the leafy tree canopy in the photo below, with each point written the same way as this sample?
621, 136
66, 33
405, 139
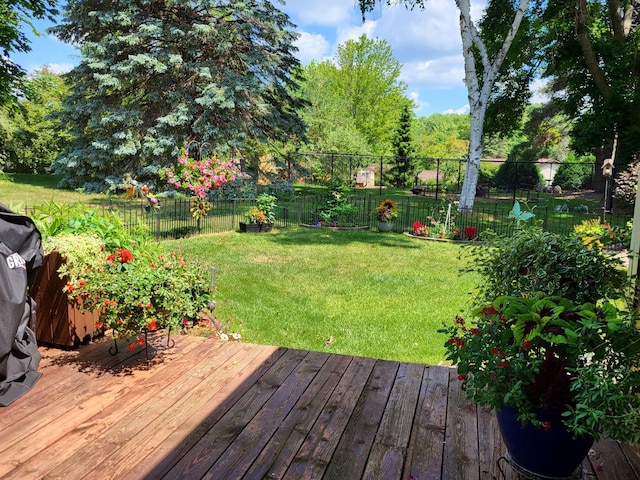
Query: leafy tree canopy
14, 16
34, 132
159, 74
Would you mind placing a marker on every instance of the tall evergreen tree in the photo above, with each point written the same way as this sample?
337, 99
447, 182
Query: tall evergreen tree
403, 169
158, 74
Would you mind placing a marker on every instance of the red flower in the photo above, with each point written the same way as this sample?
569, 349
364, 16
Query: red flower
152, 325
119, 322
98, 325
140, 341
149, 306
546, 426
461, 377
69, 287
184, 321
475, 331
470, 232
502, 364
526, 344
125, 255
131, 346
459, 320
81, 284
489, 310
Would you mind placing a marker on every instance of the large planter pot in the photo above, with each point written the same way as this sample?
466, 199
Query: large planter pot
550, 452
59, 322
255, 227
384, 226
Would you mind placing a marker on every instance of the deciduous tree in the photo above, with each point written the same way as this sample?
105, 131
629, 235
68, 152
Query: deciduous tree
15, 16
479, 81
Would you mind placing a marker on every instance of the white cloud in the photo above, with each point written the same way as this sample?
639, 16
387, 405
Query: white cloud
540, 95
311, 46
439, 73
60, 68
413, 32
462, 110
353, 32
421, 104
323, 13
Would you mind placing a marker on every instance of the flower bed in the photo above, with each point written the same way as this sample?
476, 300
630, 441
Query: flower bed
334, 227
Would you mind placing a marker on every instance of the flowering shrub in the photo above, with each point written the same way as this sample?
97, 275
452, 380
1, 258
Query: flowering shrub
387, 211
264, 211
255, 215
198, 177
132, 283
144, 292
592, 232
552, 353
440, 224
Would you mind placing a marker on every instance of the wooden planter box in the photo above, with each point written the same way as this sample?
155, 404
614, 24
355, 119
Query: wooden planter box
255, 227
58, 322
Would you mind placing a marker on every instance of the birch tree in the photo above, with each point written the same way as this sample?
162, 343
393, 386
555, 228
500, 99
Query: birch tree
479, 81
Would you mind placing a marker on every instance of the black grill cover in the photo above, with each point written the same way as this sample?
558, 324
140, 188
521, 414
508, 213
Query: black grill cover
20, 253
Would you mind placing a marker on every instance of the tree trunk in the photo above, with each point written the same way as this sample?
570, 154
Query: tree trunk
479, 95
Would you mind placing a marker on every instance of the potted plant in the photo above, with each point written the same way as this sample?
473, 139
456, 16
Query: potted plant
548, 345
260, 218
386, 213
561, 372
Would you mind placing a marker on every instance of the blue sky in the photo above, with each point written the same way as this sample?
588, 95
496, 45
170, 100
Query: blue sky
427, 43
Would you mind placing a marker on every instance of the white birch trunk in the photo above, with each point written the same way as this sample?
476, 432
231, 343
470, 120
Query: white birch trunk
479, 96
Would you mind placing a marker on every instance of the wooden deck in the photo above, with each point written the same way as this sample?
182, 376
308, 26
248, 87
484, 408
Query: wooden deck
216, 410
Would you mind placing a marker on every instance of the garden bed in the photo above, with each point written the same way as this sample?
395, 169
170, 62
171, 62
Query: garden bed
436, 239
328, 227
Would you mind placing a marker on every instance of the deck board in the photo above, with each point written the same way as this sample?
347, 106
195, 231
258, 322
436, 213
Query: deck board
207, 409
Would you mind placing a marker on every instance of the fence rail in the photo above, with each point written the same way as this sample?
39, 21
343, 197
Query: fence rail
174, 220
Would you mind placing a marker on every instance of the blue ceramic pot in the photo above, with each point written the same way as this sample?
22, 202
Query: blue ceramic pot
548, 452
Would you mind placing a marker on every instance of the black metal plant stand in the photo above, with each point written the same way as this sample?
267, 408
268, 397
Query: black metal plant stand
113, 350
524, 474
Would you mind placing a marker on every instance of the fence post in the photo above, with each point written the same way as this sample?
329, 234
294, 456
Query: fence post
545, 225
158, 225
233, 213
437, 177
380, 189
495, 217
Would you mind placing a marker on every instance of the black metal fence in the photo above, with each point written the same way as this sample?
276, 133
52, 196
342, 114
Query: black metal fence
173, 219
435, 176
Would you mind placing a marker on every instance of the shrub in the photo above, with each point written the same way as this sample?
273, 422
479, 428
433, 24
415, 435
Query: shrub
532, 261
575, 173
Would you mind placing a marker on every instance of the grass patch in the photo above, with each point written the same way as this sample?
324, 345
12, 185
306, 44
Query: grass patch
19, 191
350, 292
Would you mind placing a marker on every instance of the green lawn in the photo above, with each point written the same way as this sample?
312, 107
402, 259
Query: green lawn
359, 293
23, 190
